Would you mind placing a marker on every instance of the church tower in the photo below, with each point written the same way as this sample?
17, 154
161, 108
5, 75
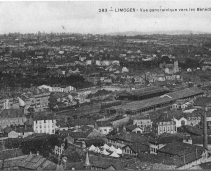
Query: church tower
87, 163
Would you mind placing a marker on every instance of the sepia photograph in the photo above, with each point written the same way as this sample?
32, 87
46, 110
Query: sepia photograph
105, 85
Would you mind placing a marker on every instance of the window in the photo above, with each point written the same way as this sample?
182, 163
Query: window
182, 122
164, 129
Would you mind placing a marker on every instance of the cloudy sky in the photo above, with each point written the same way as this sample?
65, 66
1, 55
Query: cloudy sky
84, 17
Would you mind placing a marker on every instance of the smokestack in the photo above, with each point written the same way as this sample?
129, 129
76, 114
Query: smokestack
205, 129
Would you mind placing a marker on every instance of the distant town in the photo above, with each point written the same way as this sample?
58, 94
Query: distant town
105, 102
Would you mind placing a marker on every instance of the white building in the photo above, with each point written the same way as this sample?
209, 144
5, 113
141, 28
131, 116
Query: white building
57, 89
44, 124
180, 121
104, 127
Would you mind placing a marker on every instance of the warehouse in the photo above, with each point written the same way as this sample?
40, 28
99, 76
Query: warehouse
143, 93
152, 104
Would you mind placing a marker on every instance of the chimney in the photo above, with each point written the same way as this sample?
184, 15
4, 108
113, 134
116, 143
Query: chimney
205, 129
38, 153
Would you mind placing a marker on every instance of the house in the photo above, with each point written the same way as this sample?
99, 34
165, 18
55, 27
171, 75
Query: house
79, 137
181, 104
10, 117
119, 121
186, 155
18, 131
180, 121
124, 69
134, 128
104, 127
134, 149
157, 143
178, 117
164, 124
44, 122
73, 154
193, 117
88, 62
144, 122
105, 63
59, 149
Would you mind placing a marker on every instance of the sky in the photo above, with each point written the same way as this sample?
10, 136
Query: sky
84, 16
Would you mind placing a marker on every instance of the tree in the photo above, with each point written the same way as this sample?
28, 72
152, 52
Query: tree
52, 101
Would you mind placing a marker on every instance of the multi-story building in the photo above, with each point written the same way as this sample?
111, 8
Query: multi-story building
10, 117
144, 122
104, 127
164, 124
193, 118
37, 99
44, 122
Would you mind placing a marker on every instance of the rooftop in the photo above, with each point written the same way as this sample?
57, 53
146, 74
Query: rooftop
144, 91
203, 101
138, 105
34, 161
181, 149
185, 93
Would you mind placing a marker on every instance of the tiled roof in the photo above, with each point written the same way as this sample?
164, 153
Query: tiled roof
137, 148
205, 166
78, 134
103, 124
138, 105
106, 162
139, 165
167, 138
130, 138
10, 163
34, 161
202, 101
199, 139
75, 165
185, 93
83, 122
180, 149
131, 127
192, 130
89, 142
144, 91
10, 153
